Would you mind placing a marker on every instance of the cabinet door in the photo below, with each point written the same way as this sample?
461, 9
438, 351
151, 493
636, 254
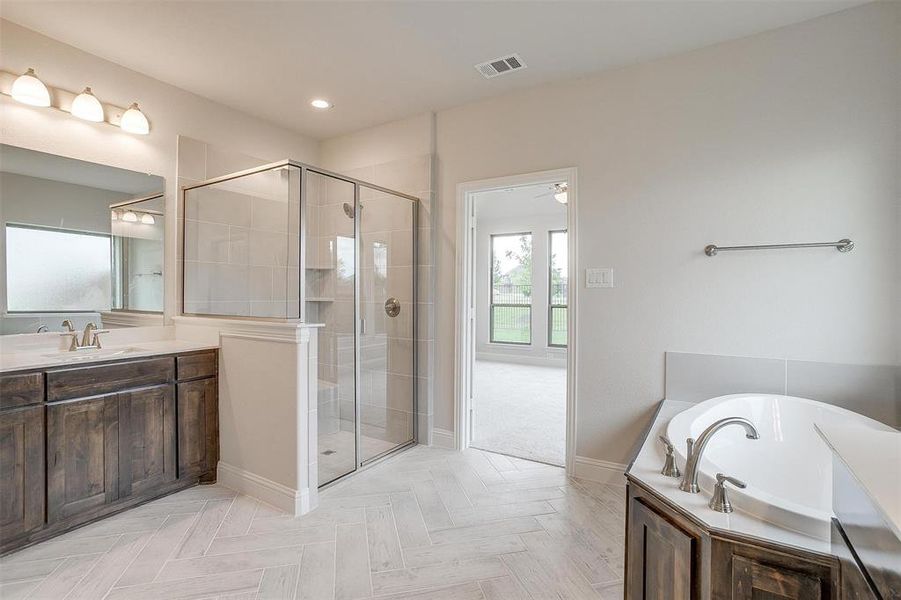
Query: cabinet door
755, 580
82, 455
660, 555
198, 428
146, 439
21, 471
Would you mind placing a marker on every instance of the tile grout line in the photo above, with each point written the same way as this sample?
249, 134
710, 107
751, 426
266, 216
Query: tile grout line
177, 545
138, 553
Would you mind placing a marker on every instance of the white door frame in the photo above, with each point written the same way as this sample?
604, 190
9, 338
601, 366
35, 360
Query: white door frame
465, 312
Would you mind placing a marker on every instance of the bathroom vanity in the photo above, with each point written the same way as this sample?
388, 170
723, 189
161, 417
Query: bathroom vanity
783, 540
83, 439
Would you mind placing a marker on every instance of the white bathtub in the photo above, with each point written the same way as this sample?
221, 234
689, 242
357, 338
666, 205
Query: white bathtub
788, 470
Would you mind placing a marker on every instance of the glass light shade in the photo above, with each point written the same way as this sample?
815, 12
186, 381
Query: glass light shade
86, 106
28, 89
321, 104
130, 217
134, 121
147, 219
561, 197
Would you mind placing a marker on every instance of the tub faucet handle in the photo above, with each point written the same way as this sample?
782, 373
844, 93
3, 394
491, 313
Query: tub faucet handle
720, 500
670, 468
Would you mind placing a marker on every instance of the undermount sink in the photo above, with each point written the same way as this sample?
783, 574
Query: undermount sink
92, 353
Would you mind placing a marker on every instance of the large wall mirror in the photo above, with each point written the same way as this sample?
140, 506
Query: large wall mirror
79, 241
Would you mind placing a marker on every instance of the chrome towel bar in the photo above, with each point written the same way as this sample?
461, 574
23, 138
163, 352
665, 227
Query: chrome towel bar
844, 245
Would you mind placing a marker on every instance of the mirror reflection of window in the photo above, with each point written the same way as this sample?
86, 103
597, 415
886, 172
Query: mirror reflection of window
54, 270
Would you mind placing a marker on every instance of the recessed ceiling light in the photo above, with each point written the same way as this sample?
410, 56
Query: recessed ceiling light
321, 104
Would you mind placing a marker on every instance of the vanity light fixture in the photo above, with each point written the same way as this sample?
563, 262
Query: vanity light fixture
86, 106
147, 219
130, 217
134, 121
28, 89
321, 104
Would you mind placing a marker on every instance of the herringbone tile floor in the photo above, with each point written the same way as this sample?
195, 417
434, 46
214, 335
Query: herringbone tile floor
427, 524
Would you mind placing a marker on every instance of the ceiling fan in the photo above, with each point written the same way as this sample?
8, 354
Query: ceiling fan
558, 191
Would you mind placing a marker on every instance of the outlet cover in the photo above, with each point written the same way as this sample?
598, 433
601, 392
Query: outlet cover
599, 278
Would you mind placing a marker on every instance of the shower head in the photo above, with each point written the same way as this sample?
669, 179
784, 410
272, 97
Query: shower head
349, 210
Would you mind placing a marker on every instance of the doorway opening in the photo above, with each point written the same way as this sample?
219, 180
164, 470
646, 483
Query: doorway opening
515, 347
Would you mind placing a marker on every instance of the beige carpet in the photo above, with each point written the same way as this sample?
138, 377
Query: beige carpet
520, 410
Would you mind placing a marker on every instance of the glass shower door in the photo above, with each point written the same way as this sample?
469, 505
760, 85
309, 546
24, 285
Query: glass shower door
386, 343
331, 273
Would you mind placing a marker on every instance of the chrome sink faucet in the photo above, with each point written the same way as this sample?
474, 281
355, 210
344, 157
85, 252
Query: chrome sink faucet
696, 449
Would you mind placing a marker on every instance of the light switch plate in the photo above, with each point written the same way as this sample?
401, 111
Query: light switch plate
599, 278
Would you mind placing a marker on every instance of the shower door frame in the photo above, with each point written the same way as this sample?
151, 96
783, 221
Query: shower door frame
359, 463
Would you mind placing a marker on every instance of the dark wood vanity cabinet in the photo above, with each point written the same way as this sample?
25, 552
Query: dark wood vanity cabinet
147, 439
198, 431
662, 561
116, 434
21, 471
82, 455
671, 556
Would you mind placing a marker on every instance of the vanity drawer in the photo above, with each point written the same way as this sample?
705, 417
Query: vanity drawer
111, 377
21, 390
195, 366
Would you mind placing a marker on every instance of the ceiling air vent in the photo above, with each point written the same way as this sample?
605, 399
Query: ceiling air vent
500, 66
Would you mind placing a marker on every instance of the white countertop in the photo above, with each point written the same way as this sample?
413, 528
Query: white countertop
874, 458
646, 469
48, 358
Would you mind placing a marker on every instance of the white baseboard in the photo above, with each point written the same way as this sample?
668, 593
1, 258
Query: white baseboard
296, 502
534, 361
442, 438
601, 471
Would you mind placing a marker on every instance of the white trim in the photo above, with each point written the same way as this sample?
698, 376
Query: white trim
291, 331
442, 438
131, 319
465, 313
295, 502
602, 471
518, 359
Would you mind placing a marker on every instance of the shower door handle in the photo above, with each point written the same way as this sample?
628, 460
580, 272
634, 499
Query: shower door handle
392, 307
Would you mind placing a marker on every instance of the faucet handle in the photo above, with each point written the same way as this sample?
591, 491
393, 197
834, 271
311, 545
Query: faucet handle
670, 468
721, 479
720, 500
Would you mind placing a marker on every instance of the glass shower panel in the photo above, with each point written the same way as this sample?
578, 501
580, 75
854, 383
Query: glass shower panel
241, 246
387, 381
330, 274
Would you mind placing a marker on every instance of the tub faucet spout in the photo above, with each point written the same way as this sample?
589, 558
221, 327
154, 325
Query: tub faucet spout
696, 449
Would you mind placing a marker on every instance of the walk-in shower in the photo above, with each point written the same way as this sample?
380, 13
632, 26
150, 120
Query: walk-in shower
288, 241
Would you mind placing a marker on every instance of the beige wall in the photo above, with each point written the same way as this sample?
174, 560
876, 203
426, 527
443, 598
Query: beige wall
790, 135
171, 112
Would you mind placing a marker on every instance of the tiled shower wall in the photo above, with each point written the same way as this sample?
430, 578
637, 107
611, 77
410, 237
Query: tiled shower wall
225, 224
871, 390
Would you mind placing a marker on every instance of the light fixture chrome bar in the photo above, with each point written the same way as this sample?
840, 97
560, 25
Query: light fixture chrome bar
844, 245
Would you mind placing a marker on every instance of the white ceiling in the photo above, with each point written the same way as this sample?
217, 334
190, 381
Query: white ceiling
381, 61
518, 202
